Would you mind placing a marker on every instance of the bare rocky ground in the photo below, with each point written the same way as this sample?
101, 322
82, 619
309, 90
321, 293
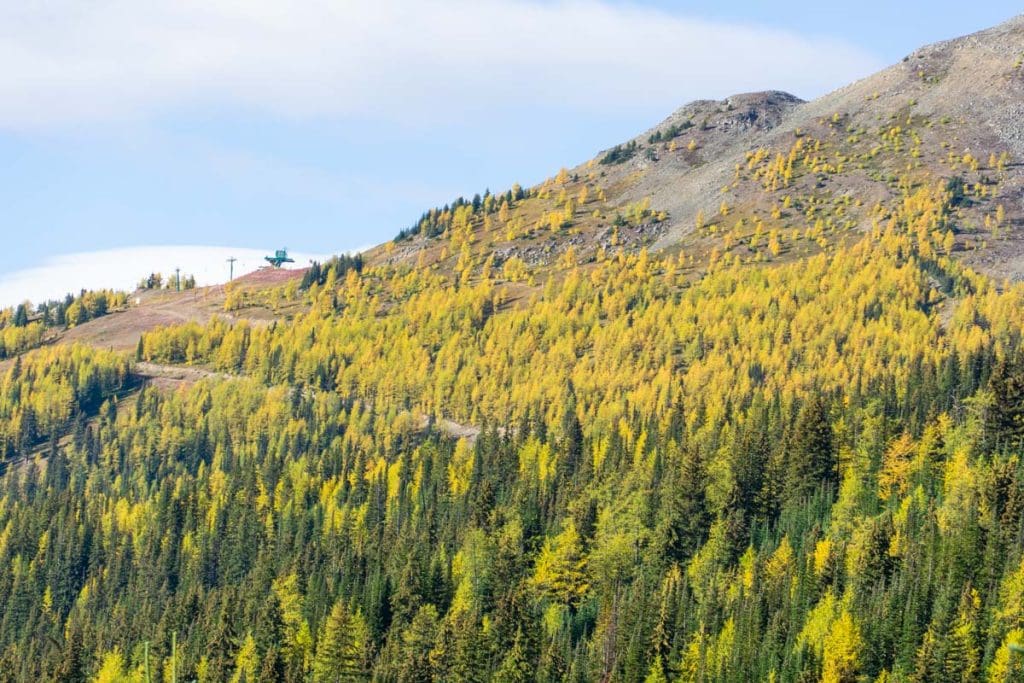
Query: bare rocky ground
974, 84
964, 95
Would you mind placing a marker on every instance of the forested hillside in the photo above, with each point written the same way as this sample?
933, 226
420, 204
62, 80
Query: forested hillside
785, 448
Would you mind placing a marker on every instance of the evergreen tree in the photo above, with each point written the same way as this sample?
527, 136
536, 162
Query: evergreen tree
20, 316
268, 634
515, 667
72, 667
223, 641
571, 437
417, 649
342, 647
811, 460
685, 518
1005, 416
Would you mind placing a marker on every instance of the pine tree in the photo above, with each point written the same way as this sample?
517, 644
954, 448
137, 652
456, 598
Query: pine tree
571, 437
1005, 416
684, 519
515, 667
842, 651
268, 634
962, 656
223, 642
272, 666
750, 465
20, 316
811, 456
657, 672
560, 570
469, 651
342, 647
417, 650
72, 665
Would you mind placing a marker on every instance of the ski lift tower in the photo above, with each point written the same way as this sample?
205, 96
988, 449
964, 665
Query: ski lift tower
279, 257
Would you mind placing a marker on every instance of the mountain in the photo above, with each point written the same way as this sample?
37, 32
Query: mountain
741, 398
949, 101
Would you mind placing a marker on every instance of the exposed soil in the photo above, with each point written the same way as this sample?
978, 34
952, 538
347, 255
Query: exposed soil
171, 377
121, 330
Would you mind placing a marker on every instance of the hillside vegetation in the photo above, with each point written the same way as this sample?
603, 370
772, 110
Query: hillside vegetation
552, 435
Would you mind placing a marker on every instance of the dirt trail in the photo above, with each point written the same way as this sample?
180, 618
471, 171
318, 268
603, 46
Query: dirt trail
172, 376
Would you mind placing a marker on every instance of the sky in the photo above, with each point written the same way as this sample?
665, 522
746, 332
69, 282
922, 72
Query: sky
131, 129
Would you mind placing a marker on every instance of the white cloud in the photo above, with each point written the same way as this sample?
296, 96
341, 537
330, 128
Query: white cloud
123, 268
409, 61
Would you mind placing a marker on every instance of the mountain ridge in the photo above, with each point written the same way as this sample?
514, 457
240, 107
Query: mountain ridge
971, 87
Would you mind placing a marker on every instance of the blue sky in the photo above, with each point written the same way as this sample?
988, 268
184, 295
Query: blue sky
331, 125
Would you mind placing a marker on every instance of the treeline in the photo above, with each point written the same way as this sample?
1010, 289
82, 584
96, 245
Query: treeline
619, 154
670, 133
334, 270
75, 310
158, 281
434, 222
23, 327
